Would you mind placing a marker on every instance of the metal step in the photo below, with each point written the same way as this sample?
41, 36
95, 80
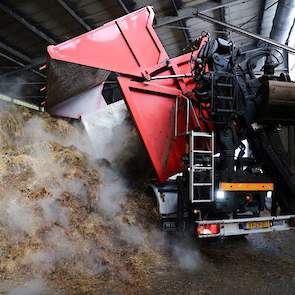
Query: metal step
203, 184
201, 134
224, 111
202, 151
201, 168
224, 85
225, 97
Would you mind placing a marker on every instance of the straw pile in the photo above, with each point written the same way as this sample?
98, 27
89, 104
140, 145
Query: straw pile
66, 218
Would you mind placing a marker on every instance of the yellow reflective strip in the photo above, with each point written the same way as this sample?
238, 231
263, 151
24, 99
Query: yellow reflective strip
240, 186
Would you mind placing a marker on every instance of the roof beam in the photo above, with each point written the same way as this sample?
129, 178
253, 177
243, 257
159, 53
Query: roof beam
122, 4
224, 17
15, 52
127, 5
21, 64
182, 23
35, 63
245, 32
25, 22
5, 68
74, 14
188, 12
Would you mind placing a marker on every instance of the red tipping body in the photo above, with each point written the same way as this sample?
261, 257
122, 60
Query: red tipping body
129, 46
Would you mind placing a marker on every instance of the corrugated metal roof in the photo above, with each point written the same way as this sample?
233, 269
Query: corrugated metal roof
52, 19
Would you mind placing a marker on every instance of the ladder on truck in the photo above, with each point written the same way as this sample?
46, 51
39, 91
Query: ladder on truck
201, 167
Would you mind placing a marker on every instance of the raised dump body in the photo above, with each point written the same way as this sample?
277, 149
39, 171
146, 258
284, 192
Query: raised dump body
130, 47
193, 113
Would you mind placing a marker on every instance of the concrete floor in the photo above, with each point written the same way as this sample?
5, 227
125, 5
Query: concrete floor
256, 264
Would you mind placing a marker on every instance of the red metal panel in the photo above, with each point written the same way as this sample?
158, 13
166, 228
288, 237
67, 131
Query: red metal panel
127, 45
152, 105
153, 110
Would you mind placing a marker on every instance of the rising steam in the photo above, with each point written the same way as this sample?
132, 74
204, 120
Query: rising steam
65, 209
